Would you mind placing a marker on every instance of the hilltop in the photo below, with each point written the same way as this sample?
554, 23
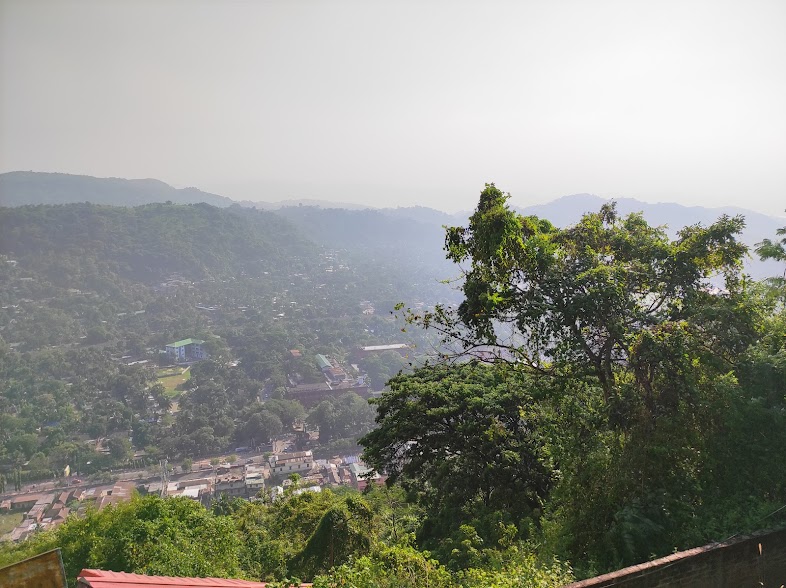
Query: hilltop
19, 188
70, 243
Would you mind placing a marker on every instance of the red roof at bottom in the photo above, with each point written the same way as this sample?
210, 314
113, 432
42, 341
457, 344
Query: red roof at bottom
103, 579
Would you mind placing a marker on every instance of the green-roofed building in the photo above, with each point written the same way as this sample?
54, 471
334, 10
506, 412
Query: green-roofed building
186, 350
322, 362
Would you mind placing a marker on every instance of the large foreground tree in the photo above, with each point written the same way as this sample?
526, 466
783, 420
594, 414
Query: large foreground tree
629, 344
585, 300
465, 440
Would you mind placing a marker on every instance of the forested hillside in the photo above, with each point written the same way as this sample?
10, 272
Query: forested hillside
414, 231
73, 244
90, 295
373, 233
418, 231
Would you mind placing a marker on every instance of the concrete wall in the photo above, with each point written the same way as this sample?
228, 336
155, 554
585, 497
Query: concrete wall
755, 560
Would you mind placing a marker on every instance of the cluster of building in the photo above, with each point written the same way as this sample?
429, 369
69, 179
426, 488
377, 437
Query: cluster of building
337, 382
274, 475
332, 370
318, 473
48, 510
310, 395
337, 379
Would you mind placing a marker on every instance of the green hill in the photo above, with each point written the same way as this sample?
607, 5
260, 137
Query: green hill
74, 244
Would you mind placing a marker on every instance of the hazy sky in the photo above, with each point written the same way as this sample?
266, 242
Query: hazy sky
404, 102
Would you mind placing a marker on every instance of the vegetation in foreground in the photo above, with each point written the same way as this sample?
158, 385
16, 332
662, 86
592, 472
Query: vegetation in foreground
339, 538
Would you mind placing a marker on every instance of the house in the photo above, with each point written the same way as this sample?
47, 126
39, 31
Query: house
186, 350
183, 484
255, 481
362, 475
336, 374
55, 515
231, 486
285, 464
120, 492
36, 513
323, 363
24, 501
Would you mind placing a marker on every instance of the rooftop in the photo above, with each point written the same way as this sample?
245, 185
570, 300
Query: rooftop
104, 579
385, 347
185, 342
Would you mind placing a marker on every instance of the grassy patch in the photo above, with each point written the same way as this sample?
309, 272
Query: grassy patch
9, 521
172, 378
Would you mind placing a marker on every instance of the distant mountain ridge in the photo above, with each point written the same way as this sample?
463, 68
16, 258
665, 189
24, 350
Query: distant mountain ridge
20, 188
405, 230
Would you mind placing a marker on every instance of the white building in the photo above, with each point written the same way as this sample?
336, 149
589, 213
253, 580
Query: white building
186, 349
284, 464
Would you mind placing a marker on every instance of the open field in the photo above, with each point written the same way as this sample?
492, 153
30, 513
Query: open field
171, 378
9, 521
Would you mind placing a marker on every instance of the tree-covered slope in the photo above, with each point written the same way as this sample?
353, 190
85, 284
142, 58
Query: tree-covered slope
378, 238
366, 229
20, 188
73, 244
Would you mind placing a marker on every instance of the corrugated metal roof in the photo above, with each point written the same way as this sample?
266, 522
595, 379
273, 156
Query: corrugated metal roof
394, 346
105, 579
185, 342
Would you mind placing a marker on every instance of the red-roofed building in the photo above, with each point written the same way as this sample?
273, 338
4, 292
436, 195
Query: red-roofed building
103, 579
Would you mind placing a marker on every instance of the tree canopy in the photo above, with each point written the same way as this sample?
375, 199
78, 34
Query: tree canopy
626, 359
579, 299
466, 439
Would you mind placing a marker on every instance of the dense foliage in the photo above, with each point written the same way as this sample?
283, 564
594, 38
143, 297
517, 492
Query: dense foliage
647, 371
337, 538
86, 289
146, 243
467, 441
